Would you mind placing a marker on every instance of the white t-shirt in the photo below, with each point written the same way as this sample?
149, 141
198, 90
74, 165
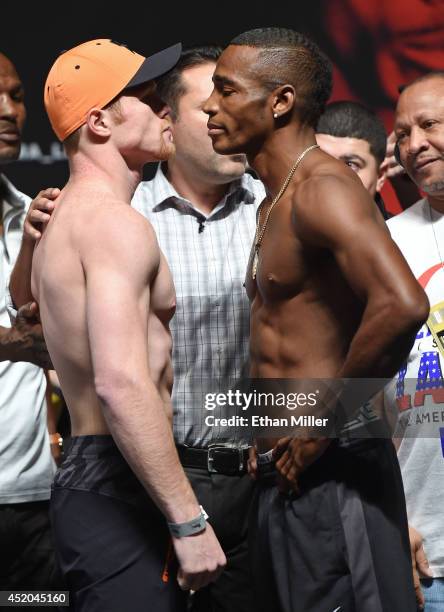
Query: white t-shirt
418, 389
26, 465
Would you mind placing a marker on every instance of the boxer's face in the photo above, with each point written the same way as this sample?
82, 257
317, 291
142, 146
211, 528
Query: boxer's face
419, 130
12, 111
237, 105
142, 127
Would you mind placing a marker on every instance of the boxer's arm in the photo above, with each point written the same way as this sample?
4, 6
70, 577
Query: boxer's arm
119, 264
120, 257
37, 217
338, 214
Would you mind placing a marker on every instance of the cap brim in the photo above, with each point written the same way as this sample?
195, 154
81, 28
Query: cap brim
156, 65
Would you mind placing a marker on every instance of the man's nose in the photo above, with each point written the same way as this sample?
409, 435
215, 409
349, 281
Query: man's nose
417, 141
210, 105
8, 108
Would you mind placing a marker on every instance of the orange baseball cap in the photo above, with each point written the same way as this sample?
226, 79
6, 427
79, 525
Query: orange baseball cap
92, 74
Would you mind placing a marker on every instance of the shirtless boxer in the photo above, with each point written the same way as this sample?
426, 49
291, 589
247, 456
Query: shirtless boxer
332, 298
106, 297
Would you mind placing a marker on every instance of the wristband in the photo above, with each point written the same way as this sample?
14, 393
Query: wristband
196, 525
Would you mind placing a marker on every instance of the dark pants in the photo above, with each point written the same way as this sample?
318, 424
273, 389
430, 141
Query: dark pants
342, 544
227, 500
26, 548
112, 543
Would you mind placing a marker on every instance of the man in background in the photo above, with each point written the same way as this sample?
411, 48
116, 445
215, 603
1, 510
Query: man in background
417, 391
203, 208
355, 135
26, 465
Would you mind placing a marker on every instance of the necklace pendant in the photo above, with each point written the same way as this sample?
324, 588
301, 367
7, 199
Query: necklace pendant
255, 262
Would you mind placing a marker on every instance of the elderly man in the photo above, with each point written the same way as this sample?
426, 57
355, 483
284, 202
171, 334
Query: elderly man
417, 390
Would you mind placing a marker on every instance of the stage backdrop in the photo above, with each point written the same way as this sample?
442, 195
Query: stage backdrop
375, 47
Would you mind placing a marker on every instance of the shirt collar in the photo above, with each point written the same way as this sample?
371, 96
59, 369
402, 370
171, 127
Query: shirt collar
240, 191
14, 198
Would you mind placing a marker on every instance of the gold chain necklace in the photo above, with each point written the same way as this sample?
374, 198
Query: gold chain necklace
260, 233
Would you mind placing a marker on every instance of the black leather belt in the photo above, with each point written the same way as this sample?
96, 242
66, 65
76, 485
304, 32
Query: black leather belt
217, 459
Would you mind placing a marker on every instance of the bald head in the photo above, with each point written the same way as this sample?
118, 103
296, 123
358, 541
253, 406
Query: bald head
12, 111
434, 74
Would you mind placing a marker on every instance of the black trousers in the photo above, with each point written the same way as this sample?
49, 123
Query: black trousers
227, 500
26, 548
112, 543
340, 545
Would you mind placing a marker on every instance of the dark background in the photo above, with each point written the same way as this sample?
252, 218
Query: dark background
375, 46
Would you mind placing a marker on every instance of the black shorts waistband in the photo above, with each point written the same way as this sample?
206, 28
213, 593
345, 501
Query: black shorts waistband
95, 464
91, 446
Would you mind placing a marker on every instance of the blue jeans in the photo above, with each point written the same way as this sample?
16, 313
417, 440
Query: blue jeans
434, 594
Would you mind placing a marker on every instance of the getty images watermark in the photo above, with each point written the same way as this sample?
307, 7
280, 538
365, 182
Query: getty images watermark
280, 407
256, 400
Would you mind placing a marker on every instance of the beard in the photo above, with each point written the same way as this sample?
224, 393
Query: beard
432, 188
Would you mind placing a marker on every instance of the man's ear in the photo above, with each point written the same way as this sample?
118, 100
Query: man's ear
98, 122
382, 175
283, 100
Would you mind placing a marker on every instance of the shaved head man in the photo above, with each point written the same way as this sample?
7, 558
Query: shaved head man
331, 297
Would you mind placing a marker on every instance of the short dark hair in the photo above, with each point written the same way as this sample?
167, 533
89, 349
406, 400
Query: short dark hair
353, 120
424, 77
293, 58
171, 86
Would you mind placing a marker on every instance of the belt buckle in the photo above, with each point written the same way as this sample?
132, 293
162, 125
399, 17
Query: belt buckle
211, 458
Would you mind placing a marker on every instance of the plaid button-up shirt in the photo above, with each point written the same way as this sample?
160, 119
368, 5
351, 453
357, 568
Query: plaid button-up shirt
208, 257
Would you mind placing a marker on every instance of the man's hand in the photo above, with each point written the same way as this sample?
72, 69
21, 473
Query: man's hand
24, 341
56, 449
39, 213
201, 559
252, 462
293, 456
420, 564
390, 164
